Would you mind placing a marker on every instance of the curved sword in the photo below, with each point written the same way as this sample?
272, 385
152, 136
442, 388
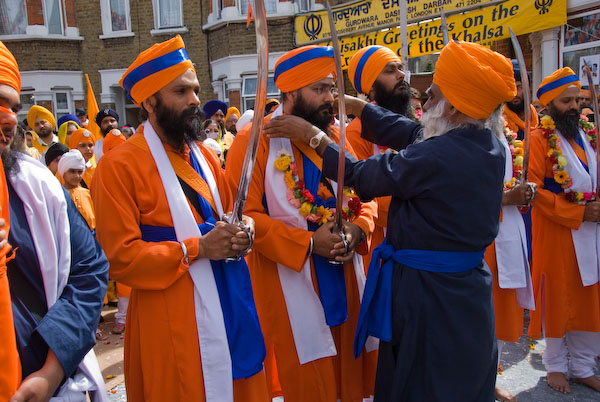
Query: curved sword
592, 88
526, 102
444, 26
342, 118
260, 24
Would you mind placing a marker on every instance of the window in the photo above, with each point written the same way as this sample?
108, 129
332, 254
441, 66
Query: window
580, 39
13, 17
270, 6
167, 14
27, 101
61, 104
53, 16
303, 5
249, 91
116, 21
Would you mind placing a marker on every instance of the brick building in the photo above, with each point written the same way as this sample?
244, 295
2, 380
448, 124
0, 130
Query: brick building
56, 42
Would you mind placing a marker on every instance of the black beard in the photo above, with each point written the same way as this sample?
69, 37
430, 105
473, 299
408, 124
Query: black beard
567, 123
518, 108
106, 130
392, 101
180, 128
302, 109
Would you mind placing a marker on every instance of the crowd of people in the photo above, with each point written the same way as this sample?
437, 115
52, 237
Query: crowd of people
444, 247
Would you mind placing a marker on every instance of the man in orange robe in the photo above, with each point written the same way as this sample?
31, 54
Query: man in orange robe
377, 72
10, 86
154, 196
565, 237
312, 343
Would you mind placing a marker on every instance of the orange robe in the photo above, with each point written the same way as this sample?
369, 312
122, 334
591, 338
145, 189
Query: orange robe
364, 150
88, 175
10, 374
563, 304
162, 356
327, 379
83, 201
515, 123
508, 313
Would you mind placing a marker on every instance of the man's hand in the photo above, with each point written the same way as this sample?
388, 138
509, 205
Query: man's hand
225, 240
289, 126
325, 239
522, 194
354, 234
354, 105
592, 212
40, 385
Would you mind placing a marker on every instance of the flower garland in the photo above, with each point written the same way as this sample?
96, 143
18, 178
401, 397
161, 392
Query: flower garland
561, 176
299, 196
516, 151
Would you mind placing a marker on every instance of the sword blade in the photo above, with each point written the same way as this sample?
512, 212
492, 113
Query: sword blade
444, 26
342, 116
592, 88
260, 24
526, 101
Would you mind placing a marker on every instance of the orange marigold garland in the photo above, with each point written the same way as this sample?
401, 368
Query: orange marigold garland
560, 175
516, 151
299, 196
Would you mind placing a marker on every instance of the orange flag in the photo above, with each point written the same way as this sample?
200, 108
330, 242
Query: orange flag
250, 15
92, 111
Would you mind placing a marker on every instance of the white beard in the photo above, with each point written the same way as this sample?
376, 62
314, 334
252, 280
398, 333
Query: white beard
433, 121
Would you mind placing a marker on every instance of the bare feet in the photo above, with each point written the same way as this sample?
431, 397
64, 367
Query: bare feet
503, 395
558, 382
118, 329
593, 382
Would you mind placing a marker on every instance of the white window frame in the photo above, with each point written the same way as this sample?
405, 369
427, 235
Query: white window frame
580, 46
61, 13
107, 31
243, 96
61, 112
158, 30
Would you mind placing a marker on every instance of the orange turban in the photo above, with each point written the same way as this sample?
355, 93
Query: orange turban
81, 135
112, 139
554, 84
232, 110
9, 69
39, 112
366, 65
303, 66
474, 79
154, 68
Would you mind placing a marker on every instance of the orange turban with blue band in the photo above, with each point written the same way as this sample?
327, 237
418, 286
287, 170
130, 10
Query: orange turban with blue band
154, 68
556, 83
366, 65
9, 69
303, 66
474, 79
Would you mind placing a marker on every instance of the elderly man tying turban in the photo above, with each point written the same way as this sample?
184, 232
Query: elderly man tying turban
428, 292
42, 121
310, 323
191, 312
565, 236
376, 71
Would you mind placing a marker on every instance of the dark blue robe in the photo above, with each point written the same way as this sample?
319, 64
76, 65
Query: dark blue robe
446, 196
69, 326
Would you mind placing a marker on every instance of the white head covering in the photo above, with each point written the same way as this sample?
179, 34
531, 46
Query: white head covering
213, 144
71, 160
244, 120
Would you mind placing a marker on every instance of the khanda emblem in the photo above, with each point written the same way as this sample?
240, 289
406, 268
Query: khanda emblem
312, 26
543, 5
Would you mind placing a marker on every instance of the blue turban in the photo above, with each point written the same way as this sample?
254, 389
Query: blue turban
66, 118
212, 106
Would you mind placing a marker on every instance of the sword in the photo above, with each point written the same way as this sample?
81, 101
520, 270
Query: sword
526, 101
590, 79
260, 24
342, 116
444, 26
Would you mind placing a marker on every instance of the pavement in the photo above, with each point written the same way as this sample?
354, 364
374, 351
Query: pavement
523, 372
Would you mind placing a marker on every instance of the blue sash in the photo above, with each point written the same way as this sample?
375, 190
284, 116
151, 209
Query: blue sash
375, 317
246, 343
330, 277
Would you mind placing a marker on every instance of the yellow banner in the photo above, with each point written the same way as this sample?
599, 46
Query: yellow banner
365, 15
482, 26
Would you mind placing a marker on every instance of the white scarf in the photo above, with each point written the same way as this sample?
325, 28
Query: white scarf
46, 211
312, 335
585, 239
212, 338
511, 247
